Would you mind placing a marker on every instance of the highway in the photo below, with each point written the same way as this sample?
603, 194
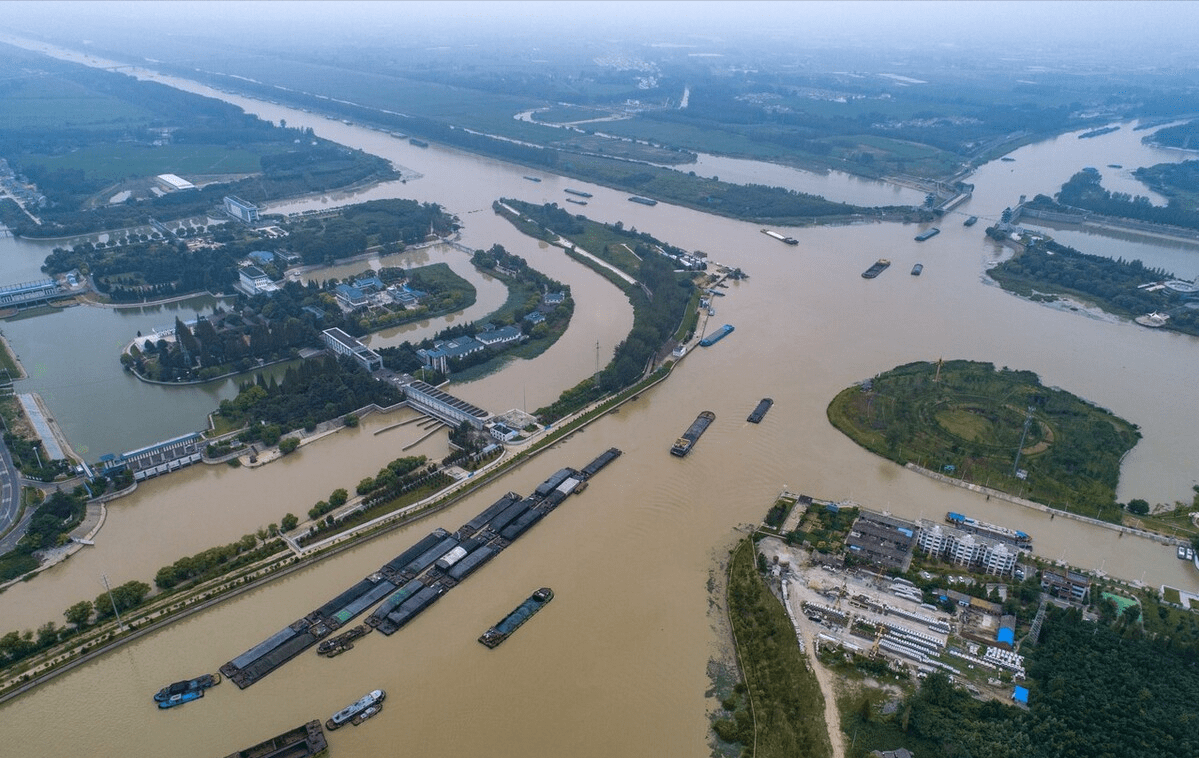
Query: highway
10, 502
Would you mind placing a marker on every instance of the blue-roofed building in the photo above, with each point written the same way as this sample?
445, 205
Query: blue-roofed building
349, 296
406, 296
501, 336
1006, 635
261, 257
535, 318
1020, 695
370, 284
445, 350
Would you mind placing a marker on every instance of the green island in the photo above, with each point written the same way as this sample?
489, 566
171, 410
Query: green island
998, 428
1045, 270
1174, 180
1084, 192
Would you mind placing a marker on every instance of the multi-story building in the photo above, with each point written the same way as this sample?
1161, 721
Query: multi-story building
343, 344
241, 210
966, 549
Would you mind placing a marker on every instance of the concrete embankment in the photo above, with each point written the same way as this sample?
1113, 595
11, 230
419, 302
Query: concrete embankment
1046, 509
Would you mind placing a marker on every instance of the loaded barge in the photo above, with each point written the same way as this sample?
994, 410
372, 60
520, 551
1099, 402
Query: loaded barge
302, 742
522, 613
199, 684
780, 237
335, 646
683, 444
1012, 536
759, 413
928, 234
642, 200
879, 267
417, 577
580, 193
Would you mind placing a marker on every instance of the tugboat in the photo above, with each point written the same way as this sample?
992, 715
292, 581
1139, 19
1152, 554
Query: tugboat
199, 684
347, 714
181, 698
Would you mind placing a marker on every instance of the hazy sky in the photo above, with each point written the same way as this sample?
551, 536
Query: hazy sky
1116, 27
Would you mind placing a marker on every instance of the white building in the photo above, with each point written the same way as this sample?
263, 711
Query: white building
254, 280
343, 344
965, 549
241, 210
174, 183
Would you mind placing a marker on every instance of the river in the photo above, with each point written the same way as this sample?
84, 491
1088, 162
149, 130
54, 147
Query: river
616, 664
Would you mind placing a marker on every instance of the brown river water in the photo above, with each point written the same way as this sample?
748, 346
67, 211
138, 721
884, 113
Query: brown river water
615, 666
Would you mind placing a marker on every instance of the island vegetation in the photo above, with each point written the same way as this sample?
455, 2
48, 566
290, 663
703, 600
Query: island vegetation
660, 298
1174, 180
1045, 270
1084, 192
998, 428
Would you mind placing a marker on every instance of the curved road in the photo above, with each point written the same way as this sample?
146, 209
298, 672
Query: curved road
10, 502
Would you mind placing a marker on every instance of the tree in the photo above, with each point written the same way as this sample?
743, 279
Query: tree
288, 445
1138, 506
79, 614
338, 498
289, 521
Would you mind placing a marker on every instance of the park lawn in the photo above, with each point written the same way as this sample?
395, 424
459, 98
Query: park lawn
117, 161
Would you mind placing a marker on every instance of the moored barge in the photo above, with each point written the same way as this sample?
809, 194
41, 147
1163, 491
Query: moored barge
513, 621
198, 684
347, 714
717, 336
989, 530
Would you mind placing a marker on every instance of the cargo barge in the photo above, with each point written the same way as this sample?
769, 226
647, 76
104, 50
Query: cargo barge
198, 684
335, 646
576, 202
683, 444
927, 234
919, 267
780, 238
302, 742
533, 178
717, 336
642, 200
1018, 538
759, 413
970, 221
879, 267
347, 714
513, 621
415, 579
580, 193
417, 142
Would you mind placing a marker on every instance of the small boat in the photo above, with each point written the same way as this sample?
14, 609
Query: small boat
759, 413
347, 714
533, 178
970, 221
1114, 165
181, 698
917, 269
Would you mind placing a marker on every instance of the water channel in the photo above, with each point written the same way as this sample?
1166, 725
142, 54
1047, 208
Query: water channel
616, 665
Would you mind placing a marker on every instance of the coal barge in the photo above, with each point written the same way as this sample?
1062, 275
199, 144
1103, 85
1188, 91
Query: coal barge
879, 267
759, 413
683, 444
416, 578
513, 621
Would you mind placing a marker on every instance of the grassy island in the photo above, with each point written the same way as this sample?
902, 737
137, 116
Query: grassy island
969, 420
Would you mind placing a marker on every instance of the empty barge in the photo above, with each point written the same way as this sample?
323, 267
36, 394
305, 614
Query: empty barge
416, 578
759, 413
683, 444
522, 613
927, 234
642, 200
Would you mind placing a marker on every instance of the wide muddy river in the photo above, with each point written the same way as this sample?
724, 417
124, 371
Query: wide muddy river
616, 664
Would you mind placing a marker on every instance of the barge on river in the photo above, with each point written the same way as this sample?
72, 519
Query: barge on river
580, 193
199, 684
970, 221
302, 742
415, 579
759, 413
879, 267
927, 234
717, 336
642, 200
780, 237
683, 444
347, 714
513, 621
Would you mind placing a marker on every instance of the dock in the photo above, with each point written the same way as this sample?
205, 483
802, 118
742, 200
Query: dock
410, 583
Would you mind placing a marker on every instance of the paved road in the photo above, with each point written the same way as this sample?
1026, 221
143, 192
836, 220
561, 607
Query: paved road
10, 496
